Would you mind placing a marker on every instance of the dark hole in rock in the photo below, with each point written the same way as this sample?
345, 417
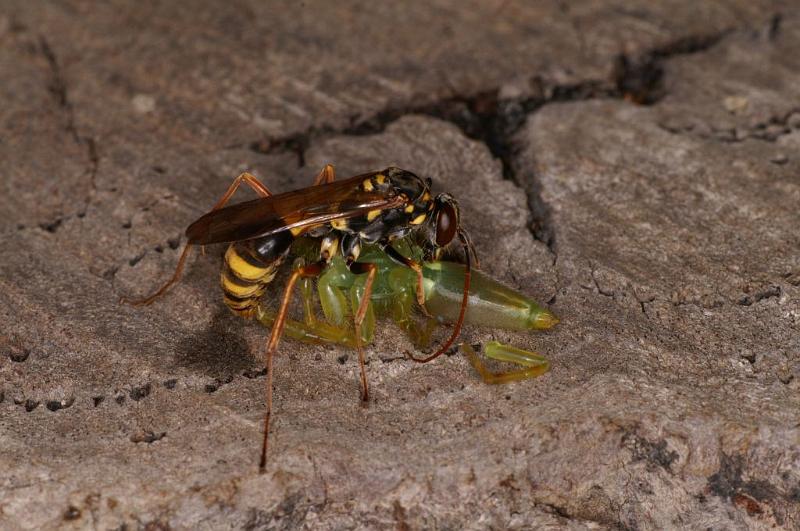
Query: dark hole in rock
72, 513
17, 353
147, 436
55, 405
29, 404
255, 373
137, 393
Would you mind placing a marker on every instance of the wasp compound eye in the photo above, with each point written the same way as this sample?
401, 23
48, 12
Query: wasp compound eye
446, 224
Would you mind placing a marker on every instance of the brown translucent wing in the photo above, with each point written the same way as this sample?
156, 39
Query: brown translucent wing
306, 207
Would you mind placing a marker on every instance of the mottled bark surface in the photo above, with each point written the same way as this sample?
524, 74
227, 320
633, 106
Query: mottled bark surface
633, 166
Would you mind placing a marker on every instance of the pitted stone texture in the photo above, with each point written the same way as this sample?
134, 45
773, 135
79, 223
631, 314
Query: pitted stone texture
683, 248
166, 403
673, 397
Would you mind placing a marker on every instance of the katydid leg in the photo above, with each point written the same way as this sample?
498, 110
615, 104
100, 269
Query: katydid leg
533, 364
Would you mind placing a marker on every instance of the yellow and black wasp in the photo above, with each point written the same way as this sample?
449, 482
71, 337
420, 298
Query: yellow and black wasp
374, 208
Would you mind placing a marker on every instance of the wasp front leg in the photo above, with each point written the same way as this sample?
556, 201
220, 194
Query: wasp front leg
359, 299
533, 363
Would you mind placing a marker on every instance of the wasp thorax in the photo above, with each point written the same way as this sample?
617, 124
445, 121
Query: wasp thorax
406, 183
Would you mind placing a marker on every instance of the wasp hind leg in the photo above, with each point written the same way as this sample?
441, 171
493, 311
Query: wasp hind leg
247, 178
361, 314
533, 364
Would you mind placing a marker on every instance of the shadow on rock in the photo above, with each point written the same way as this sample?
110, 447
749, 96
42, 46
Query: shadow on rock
220, 350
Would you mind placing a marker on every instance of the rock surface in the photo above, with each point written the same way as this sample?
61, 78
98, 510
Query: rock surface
636, 167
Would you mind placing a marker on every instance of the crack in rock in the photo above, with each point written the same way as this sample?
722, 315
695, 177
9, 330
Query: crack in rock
493, 120
640, 79
58, 88
147, 436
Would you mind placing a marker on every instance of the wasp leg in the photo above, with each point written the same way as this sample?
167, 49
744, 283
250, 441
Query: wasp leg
462, 308
359, 268
368, 322
535, 364
335, 308
312, 270
247, 178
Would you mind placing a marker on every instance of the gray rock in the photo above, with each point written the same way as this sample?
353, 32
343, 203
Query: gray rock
679, 252
664, 239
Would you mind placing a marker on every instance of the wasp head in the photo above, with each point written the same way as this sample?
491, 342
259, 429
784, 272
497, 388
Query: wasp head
445, 219
445, 224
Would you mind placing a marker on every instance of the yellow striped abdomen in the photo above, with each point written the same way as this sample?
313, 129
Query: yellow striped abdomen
245, 276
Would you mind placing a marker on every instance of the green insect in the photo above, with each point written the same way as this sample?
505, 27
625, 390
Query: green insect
393, 296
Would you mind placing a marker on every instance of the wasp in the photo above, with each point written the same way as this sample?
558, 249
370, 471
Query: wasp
341, 217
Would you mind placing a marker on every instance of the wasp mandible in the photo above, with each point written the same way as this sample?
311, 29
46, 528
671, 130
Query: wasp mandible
376, 208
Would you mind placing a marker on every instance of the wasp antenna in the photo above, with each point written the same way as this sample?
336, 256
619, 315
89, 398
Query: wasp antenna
464, 237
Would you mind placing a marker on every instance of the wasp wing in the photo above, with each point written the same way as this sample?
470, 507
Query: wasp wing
299, 209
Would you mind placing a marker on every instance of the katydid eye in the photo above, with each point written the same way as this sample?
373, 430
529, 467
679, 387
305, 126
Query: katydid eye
446, 225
